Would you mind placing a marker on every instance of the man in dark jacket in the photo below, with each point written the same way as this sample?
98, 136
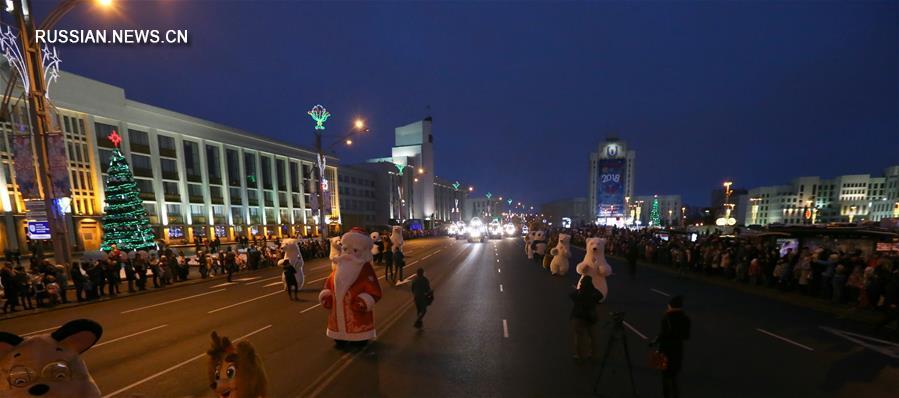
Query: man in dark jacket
584, 318
421, 290
675, 329
632, 251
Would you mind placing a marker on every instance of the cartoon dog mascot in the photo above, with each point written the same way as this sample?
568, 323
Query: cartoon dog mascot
49, 365
293, 257
595, 265
351, 291
561, 253
336, 249
538, 246
235, 371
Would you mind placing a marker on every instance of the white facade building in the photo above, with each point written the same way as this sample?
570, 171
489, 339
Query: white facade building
813, 200
611, 180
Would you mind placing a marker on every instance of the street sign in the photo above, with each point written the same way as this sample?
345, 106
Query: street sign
39, 230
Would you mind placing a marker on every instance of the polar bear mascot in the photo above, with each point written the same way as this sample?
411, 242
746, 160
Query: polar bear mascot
336, 250
595, 265
527, 244
538, 246
561, 253
293, 257
351, 291
396, 239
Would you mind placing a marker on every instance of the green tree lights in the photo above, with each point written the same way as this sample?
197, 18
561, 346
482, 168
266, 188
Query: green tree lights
125, 222
655, 219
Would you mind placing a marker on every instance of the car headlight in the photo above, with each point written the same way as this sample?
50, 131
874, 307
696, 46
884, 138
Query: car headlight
475, 233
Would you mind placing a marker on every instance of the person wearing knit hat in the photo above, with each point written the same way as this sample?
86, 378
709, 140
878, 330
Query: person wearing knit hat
674, 331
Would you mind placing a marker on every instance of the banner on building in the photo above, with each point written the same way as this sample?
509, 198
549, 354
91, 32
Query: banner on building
26, 178
58, 165
610, 188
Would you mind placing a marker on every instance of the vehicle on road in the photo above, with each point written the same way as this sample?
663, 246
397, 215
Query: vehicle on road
495, 230
476, 230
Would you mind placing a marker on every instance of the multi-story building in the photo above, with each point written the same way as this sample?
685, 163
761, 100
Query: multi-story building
197, 178
611, 180
484, 208
812, 200
358, 197
575, 209
671, 210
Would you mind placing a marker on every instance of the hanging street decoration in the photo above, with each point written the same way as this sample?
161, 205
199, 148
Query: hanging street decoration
320, 115
488, 195
50, 60
126, 223
400, 168
10, 48
456, 185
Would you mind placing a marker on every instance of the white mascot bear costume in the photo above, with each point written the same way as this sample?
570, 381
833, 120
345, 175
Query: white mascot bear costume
596, 266
375, 237
396, 239
293, 256
351, 291
561, 253
527, 244
336, 250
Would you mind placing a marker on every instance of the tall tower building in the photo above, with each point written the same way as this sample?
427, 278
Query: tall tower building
414, 147
611, 181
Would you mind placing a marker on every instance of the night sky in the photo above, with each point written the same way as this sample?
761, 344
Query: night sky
520, 93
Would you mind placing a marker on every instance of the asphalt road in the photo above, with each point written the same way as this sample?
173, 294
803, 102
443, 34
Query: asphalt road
498, 327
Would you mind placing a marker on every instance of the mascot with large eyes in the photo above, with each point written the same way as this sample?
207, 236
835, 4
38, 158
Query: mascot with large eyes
235, 371
351, 291
49, 365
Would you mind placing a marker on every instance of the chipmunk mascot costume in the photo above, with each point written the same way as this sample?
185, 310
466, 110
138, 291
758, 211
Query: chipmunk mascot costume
351, 291
595, 265
235, 371
49, 365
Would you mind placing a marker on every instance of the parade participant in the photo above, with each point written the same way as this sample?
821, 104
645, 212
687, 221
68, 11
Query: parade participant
424, 296
292, 266
561, 253
584, 318
595, 266
235, 371
49, 364
336, 250
377, 248
396, 244
351, 291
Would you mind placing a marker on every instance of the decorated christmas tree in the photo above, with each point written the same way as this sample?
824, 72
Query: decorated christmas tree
126, 223
655, 219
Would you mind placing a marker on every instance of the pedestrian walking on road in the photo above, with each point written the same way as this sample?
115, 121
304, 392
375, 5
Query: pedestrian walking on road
290, 281
632, 253
675, 330
10, 288
584, 318
388, 260
230, 263
424, 296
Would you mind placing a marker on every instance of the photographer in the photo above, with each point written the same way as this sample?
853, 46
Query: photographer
670, 342
584, 318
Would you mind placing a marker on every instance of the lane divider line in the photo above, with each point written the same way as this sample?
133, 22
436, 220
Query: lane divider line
125, 337
176, 366
263, 280
310, 308
222, 284
274, 283
633, 329
803, 346
247, 279
505, 329
660, 292
39, 331
500, 287
244, 302
170, 301
500, 270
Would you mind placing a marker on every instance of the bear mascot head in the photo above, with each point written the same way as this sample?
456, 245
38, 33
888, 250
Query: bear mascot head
561, 253
595, 265
291, 249
375, 237
49, 365
336, 250
235, 371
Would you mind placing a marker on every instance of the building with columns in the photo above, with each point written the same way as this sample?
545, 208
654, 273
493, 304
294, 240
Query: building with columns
197, 178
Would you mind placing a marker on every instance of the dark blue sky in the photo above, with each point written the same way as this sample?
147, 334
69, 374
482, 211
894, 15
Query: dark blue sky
520, 93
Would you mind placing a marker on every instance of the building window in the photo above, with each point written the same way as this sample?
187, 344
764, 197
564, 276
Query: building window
237, 215
105, 157
102, 132
170, 190
139, 141
192, 161
282, 177
294, 177
169, 168
236, 198
233, 163
195, 193
249, 166
141, 165
146, 188
266, 172
166, 146
213, 164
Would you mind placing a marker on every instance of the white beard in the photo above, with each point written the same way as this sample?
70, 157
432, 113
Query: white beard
348, 268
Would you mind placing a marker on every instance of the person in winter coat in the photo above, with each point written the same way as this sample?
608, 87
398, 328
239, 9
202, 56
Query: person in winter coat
584, 318
78, 279
675, 330
421, 290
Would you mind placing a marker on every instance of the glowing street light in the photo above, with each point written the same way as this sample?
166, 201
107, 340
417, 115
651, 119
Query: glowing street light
359, 124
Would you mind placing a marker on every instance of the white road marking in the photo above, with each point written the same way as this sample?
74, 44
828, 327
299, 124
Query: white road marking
497, 260
499, 270
223, 284
633, 329
505, 329
263, 280
500, 287
785, 339
310, 308
661, 292
125, 337
39, 331
274, 283
247, 279
407, 280
171, 301
176, 366
884, 347
243, 302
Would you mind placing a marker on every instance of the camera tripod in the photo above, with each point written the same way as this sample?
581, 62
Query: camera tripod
618, 333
